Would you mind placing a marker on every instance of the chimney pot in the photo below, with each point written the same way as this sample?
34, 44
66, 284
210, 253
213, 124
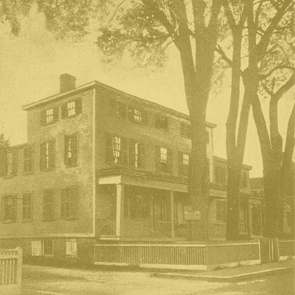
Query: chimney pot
67, 82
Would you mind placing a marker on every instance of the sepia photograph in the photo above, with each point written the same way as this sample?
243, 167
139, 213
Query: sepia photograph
147, 147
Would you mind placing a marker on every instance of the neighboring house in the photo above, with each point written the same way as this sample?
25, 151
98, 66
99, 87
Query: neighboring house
102, 165
257, 193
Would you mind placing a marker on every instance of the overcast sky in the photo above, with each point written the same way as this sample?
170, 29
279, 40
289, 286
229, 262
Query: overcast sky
30, 66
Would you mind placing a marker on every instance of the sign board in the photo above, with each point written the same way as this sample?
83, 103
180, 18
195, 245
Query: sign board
192, 215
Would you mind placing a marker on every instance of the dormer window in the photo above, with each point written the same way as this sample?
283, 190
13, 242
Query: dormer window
72, 108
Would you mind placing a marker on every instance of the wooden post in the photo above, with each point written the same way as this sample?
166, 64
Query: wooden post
172, 214
119, 209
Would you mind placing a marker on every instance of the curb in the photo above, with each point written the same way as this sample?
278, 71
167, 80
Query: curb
229, 279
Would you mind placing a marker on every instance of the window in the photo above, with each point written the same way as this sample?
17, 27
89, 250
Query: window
49, 116
256, 220
137, 206
117, 108
137, 115
69, 202
9, 208
162, 123
136, 154
71, 247
47, 155
185, 130
220, 174
163, 160
28, 159
71, 150
243, 226
11, 162
71, 108
116, 150
183, 163
220, 210
36, 248
48, 204
48, 247
27, 206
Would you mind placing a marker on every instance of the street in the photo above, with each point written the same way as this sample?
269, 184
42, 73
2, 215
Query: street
39, 280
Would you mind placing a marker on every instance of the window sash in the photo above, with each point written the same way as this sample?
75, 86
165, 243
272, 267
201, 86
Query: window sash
69, 202
48, 246
27, 206
71, 247
10, 208
28, 159
71, 150
36, 248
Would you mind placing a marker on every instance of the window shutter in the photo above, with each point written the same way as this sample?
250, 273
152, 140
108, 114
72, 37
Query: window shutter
2, 209
75, 149
55, 113
63, 198
131, 113
66, 150
124, 151
145, 117
132, 153
180, 163
2, 163
75, 202
14, 208
108, 147
52, 154
14, 161
170, 160
157, 158
142, 155
64, 110
43, 117
78, 105
42, 156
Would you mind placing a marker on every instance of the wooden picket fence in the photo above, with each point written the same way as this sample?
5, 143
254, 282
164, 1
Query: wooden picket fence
186, 256
10, 271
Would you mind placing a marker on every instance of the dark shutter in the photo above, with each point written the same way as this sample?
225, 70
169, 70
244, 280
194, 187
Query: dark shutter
170, 160
14, 208
2, 163
142, 156
64, 110
157, 158
78, 105
124, 151
180, 163
145, 117
75, 149
131, 113
2, 209
63, 199
55, 113
42, 156
52, 154
43, 117
14, 161
66, 149
108, 148
132, 152
74, 202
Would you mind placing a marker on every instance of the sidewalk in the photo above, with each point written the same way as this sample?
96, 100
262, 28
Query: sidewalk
234, 274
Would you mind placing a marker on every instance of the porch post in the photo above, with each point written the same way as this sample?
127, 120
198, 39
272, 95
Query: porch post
172, 214
119, 209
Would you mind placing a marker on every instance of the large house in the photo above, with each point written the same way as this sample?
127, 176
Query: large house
102, 165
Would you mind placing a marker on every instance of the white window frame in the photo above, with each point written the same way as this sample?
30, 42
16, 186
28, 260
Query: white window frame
36, 247
71, 247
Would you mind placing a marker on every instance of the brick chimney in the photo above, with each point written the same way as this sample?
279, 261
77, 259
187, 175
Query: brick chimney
67, 82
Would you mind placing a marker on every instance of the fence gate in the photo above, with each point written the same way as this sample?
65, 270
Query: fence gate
265, 250
10, 271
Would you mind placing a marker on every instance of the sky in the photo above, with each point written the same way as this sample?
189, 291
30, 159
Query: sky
30, 66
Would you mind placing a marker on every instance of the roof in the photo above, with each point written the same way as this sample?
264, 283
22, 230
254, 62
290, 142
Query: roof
102, 85
219, 159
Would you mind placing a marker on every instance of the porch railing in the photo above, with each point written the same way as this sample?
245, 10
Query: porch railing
10, 271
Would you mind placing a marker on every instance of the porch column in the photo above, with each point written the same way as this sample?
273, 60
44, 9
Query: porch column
119, 208
172, 214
